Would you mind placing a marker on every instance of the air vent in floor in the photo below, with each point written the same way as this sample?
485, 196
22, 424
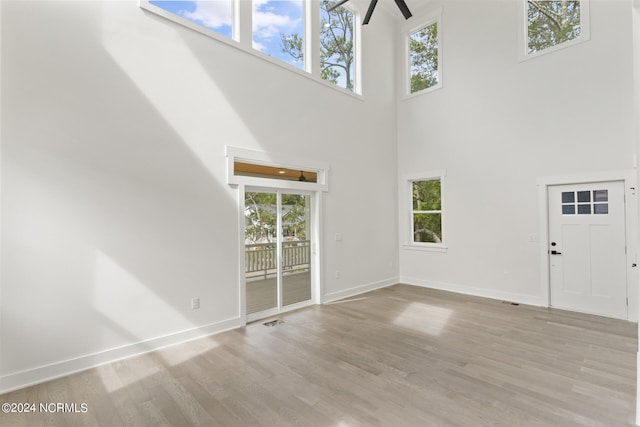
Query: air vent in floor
273, 322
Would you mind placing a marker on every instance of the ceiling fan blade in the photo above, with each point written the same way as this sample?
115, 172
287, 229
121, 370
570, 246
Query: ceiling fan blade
404, 9
367, 17
337, 5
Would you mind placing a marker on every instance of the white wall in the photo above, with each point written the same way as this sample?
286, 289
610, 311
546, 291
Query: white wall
498, 124
115, 211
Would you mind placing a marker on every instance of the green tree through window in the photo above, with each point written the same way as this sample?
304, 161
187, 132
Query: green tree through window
550, 23
261, 217
427, 211
423, 58
337, 53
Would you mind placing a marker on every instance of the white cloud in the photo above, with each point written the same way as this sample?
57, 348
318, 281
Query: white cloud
258, 46
268, 23
211, 13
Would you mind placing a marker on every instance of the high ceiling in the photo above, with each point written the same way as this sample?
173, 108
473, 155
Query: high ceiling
389, 7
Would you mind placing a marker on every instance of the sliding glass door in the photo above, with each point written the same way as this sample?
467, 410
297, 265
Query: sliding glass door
277, 251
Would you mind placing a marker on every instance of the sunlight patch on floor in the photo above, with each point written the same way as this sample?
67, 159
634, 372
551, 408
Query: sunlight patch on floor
113, 380
181, 353
425, 318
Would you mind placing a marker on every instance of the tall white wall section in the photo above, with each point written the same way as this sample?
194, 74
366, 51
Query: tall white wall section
115, 207
498, 125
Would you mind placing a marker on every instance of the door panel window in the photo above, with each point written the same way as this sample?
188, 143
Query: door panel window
591, 202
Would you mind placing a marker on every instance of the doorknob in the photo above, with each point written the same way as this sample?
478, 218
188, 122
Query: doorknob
556, 253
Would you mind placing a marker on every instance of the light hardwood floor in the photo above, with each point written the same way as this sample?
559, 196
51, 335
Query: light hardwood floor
399, 356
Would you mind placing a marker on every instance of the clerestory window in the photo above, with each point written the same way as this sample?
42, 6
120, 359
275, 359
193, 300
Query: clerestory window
423, 57
550, 25
337, 48
280, 31
213, 15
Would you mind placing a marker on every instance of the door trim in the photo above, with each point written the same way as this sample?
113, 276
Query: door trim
316, 190
631, 226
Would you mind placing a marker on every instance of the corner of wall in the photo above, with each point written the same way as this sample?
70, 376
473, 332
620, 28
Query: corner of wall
636, 89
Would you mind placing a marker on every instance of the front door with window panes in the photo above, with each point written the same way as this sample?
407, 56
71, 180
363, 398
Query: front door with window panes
587, 248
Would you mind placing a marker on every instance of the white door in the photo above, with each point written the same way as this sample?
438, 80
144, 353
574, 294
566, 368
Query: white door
587, 248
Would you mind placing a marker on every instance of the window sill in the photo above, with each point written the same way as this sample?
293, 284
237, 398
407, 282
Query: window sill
425, 248
524, 56
433, 88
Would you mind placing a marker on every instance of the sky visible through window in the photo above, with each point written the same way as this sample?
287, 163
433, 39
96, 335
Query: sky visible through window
337, 54
273, 20
215, 15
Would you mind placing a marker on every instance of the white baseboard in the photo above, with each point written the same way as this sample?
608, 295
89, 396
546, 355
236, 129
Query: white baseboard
638, 388
478, 292
347, 293
41, 374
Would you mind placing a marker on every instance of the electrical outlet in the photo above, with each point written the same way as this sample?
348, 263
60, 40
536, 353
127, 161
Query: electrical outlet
195, 303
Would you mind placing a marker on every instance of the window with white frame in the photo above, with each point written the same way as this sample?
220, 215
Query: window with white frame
279, 30
337, 48
427, 210
213, 15
423, 57
550, 25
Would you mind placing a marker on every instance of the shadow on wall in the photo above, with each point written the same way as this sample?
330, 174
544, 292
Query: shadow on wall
289, 113
285, 111
115, 204
110, 210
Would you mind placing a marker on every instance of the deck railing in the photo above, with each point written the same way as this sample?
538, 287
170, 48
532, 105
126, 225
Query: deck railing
261, 258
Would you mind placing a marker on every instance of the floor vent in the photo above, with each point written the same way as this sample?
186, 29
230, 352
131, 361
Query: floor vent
273, 322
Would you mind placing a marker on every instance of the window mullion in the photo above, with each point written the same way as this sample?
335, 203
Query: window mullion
312, 37
244, 10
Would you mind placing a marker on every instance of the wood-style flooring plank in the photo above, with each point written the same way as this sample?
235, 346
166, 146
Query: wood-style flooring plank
398, 356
